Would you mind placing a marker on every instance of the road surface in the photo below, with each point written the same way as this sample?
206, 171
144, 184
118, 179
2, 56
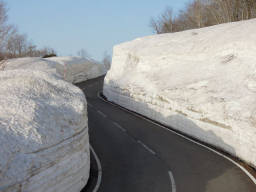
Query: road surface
139, 156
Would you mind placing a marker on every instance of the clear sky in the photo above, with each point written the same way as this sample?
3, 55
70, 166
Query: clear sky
95, 25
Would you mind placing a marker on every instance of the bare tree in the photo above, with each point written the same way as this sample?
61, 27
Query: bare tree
202, 13
5, 29
31, 50
3, 22
164, 23
14, 44
17, 46
155, 25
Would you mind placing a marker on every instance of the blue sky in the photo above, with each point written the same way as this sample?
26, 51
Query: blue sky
95, 25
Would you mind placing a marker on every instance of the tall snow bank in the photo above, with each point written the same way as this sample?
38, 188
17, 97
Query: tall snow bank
71, 69
201, 82
43, 133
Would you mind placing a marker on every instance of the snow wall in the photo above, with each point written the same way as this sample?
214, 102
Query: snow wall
201, 82
43, 133
71, 69
43, 124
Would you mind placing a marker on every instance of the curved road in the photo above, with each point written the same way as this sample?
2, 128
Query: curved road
137, 155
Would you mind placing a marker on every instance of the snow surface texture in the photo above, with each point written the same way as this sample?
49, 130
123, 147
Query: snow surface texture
43, 133
77, 69
201, 82
71, 69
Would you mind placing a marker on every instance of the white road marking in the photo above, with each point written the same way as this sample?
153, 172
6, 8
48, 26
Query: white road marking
146, 147
213, 150
119, 126
99, 170
185, 137
102, 114
173, 185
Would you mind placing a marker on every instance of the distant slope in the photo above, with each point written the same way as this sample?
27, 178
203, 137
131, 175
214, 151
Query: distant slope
72, 69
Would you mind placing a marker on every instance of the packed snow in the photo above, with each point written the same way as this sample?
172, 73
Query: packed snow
43, 133
201, 82
71, 69
43, 123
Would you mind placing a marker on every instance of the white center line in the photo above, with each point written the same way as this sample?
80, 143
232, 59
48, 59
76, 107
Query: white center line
119, 126
172, 181
146, 147
102, 114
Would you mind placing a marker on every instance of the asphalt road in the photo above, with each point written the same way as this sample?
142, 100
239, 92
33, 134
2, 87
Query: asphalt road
139, 156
